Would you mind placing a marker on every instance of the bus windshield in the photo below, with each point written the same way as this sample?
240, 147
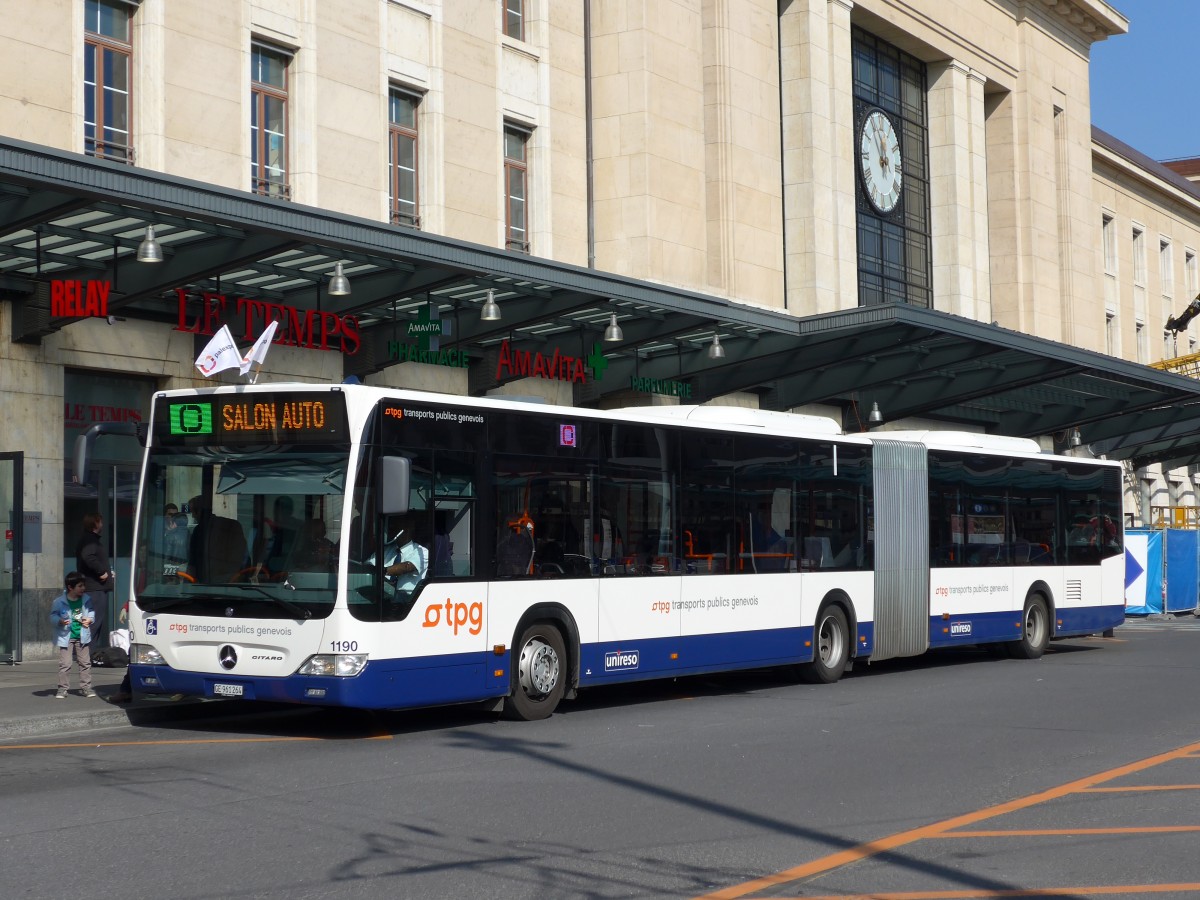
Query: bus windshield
249, 529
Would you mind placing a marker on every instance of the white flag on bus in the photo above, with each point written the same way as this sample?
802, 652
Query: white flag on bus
220, 354
258, 353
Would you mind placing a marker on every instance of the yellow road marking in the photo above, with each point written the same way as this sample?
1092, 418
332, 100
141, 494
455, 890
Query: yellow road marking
1046, 832
1143, 787
939, 829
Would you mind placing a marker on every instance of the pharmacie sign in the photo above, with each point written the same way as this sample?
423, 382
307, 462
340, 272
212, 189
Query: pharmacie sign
308, 328
424, 344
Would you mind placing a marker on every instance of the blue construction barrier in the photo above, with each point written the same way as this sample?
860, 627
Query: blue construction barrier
1181, 555
1162, 570
1143, 571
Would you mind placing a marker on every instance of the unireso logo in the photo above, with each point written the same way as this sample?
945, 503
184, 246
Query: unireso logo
620, 660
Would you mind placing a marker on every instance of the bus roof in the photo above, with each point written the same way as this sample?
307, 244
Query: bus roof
776, 422
964, 440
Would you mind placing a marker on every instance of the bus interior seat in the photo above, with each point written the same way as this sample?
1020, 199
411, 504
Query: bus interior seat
226, 548
819, 551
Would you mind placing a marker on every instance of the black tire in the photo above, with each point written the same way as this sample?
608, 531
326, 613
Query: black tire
540, 662
1035, 630
831, 648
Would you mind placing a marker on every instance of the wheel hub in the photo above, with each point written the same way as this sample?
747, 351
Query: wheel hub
539, 668
829, 646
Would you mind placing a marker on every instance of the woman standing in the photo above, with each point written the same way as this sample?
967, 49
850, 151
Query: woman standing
91, 561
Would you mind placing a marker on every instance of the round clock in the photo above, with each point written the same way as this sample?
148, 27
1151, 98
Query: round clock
879, 160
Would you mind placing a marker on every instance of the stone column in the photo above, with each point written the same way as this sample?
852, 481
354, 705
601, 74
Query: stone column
958, 191
818, 151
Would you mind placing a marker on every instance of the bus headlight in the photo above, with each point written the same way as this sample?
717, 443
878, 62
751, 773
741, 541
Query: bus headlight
343, 665
145, 655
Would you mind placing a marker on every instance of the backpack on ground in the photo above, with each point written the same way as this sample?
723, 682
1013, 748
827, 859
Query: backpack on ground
110, 658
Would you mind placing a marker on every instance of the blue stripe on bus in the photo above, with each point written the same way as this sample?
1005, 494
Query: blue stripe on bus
978, 628
637, 660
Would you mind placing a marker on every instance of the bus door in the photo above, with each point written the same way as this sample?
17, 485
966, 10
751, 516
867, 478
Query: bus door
901, 549
635, 551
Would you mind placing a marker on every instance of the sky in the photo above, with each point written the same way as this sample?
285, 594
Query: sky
1144, 82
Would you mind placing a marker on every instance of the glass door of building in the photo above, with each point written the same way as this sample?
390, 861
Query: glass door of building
111, 490
12, 516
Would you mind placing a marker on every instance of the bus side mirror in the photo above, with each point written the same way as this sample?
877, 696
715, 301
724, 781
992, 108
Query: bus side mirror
395, 472
85, 442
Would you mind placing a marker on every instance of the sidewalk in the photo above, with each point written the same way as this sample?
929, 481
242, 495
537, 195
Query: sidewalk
28, 708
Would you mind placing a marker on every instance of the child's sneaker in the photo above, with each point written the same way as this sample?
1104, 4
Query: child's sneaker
61, 695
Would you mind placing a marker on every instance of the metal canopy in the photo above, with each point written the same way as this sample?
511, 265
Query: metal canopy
69, 216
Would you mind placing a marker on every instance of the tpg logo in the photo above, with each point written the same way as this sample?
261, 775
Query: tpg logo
621, 659
960, 627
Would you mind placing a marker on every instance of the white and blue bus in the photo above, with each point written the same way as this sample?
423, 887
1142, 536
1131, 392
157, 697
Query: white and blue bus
559, 548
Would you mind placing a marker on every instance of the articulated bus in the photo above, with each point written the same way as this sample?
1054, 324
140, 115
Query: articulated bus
362, 547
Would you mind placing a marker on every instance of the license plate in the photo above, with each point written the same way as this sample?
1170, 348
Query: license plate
228, 690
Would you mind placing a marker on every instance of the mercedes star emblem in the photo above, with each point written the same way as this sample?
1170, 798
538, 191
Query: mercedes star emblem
228, 657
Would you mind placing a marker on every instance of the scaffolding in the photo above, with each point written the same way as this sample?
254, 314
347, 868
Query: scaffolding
1175, 517
1181, 365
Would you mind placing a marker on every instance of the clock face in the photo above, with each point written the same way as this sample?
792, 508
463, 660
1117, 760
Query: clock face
879, 161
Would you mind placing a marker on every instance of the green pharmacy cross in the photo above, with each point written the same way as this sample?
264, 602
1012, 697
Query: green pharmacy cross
429, 329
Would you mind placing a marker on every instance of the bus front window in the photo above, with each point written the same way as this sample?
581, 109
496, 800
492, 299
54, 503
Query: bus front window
256, 528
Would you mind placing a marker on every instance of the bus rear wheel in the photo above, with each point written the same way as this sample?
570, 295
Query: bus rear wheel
540, 658
831, 648
1035, 630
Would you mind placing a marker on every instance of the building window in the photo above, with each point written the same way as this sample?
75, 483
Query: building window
516, 188
1142, 342
402, 158
1189, 272
1139, 256
1108, 234
514, 18
1166, 267
107, 76
894, 260
268, 121
1112, 334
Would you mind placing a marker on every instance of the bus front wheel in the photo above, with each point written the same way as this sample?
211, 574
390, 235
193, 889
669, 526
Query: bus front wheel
831, 648
1035, 630
541, 661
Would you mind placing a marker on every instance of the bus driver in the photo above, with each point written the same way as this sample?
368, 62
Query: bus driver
406, 561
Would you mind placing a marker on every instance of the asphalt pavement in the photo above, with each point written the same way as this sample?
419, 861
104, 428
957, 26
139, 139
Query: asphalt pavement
28, 707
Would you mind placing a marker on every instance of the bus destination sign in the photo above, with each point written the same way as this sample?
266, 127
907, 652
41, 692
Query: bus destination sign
254, 419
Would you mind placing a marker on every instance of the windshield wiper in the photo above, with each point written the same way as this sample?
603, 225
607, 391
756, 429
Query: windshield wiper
149, 604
